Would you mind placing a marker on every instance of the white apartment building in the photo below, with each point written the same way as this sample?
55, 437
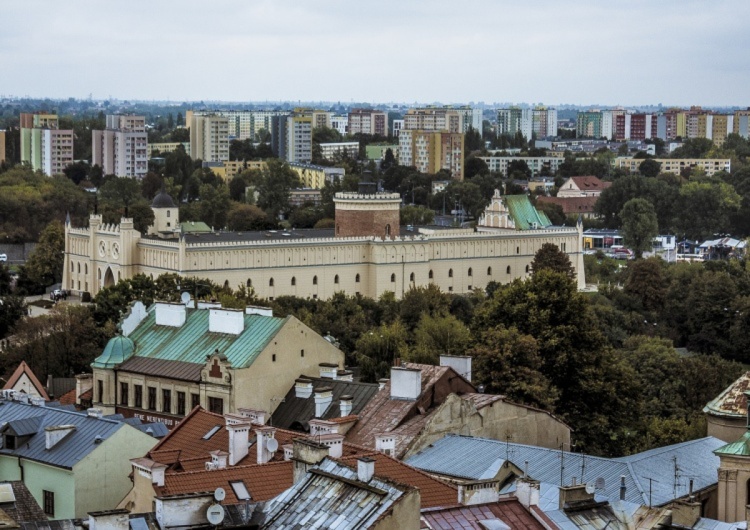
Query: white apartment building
398, 125
499, 164
368, 121
434, 119
122, 148
44, 145
299, 139
676, 165
56, 150
332, 149
340, 123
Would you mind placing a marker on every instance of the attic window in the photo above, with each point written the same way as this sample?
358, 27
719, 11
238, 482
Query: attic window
240, 490
213, 431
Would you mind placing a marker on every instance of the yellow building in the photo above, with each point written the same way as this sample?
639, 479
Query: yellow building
2, 146
312, 176
164, 148
432, 151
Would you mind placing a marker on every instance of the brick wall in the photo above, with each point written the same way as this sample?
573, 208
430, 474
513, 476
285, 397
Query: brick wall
352, 223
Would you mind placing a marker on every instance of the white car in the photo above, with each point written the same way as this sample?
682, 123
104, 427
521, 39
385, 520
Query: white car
3, 257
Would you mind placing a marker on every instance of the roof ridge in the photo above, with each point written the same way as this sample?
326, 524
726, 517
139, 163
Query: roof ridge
24, 368
228, 468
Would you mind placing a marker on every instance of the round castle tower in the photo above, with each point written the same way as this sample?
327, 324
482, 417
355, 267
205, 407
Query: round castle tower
362, 215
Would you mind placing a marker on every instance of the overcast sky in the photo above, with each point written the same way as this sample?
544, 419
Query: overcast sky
589, 52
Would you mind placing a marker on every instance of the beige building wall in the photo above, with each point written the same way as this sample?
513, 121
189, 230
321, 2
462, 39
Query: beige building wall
734, 483
725, 428
405, 514
2, 147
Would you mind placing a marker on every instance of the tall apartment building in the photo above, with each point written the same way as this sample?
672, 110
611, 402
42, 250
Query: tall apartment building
340, 123
43, 145
2, 146
635, 126
122, 148
209, 137
741, 124
242, 124
321, 118
291, 136
589, 124
368, 121
513, 120
431, 151
434, 119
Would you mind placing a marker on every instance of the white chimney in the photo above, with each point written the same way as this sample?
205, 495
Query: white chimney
255, 416
406, 383
258, 310
219, 458
460, 363
478, 492
385, 443
345, 405
94, 413
158, 472
264, 434
323, 400
239, 434
149, 469
109, 520
365, 469
527, 492
303, 388
382, 382
345, 375
168, 314
334, 442
54, 434
231, 321
328, 370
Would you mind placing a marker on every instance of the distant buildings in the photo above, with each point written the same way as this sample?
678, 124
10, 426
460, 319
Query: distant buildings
539, 122
340, 124
209, 138
368, 121
44, 145
331, 150
677, 165
432, 151
313, 176
291, 136
536, 164
122, 148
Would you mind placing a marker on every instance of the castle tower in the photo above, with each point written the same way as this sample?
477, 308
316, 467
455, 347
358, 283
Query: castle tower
166, 215
362, 215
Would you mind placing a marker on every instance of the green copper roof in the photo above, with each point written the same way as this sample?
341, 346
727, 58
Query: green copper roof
190, 227
118, 350
524, 214
192, 341
739, 448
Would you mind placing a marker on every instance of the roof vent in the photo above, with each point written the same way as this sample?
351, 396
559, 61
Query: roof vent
95, 413
98, 439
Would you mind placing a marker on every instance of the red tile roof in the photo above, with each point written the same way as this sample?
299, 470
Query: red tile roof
588, 183
22, 369
69, 398
433, 492
510, 511
572, 205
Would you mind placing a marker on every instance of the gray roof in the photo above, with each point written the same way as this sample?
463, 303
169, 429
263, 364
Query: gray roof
330, 496
479, 458
25, 507
67, 452
294, 412
184, 371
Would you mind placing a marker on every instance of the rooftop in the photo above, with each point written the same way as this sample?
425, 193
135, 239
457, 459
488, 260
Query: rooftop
508, 511
22, 370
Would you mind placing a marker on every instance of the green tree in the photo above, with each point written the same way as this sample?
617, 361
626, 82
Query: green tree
649, 168
273, 186
475, 166
214, 205
416, 215
246, 217
549, 257
438, 335
45, 264
377, 349
118, 193
707, 208
639, 225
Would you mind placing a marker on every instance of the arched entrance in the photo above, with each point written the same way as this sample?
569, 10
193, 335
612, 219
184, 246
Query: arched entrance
109, 278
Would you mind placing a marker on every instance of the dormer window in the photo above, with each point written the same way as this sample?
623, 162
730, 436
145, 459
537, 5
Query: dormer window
9, 442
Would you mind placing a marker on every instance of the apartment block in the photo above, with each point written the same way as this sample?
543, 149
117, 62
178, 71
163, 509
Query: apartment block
315, 177
209, 137
340, 124
500, 164
589, 124
43, 145
333, 149
242, 124
2, 146
677, 165
122, 148
434, 119
164, 148
431, 151
635, 126
368, 121
741, 123
515, 120
398, 125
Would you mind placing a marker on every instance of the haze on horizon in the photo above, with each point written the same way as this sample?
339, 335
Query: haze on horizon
674, 52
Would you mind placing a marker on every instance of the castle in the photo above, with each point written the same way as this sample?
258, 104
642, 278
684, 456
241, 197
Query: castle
366, 253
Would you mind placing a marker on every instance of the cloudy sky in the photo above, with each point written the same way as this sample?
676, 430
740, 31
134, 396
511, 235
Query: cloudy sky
553, 51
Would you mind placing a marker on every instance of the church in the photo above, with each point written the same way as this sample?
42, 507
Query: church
367, 252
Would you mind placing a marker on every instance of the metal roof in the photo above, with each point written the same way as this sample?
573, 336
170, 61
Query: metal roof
739, 448
524, 214
162, 368
477, 458
192, 342
72, 448
732, 402
294, 410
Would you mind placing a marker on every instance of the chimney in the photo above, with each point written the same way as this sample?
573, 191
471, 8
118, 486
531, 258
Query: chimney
328, 370
169, 314
239, 434
303, 388
345, 405
230, 321
686, 513
219, 459
527, 492
83, 383
264, 435
382, 382
406, 383
480, 492
306, 454
94, 413
323, 400
334, 442
255, 416
36, 401
460, 363
108, 520
365, 469
622, 487
258, 310
52, 435
570, 495
146, 467
345, 375
385, 443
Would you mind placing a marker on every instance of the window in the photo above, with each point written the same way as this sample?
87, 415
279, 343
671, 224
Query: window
216, 405
508, 269
471, 272
518, 250
49, 502
387, 230
151, 398
195, 400
489, 271
10, 441
336, 279
294, 281
527, 269
249, 282
79, 267
315, 280
100, 390
168, 213
273, 358
138, 396
181, 403
430, 275
213, 430
450, 273
393, 278
166, 401
124, 394
270, 282
356, 278
85, 268
411, 277
302, 353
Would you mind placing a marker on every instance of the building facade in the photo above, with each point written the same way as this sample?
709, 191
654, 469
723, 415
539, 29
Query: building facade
430, 151
315, 177
44, 145
677, 165
209, 138
368, 121
537, 164
122, 148
331, 150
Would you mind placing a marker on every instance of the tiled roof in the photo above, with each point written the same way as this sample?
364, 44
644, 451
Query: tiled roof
433, 492
295, 412
71, 449
179, 370
732, 401
509, 511
330, 496
25, 508
524, 214
23, 369
263, 481
482, 458
482, 400
590, 183
404, 419
192, 341
572, 205
69, 398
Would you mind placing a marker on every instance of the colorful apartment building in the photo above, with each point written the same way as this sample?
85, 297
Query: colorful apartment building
44, 145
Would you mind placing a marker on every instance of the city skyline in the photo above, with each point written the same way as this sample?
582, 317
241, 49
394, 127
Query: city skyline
674, 53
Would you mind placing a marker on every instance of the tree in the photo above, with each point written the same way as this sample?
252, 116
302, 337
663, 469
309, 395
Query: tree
639, 225
550, 257
649, 168
273, 186
45, 264
119, 193
438, 335
214, 205
707, 208
246, 217
151, 185
389, 160
417, 215
475, 166
377, 350
554, 212
645, 281
12, 309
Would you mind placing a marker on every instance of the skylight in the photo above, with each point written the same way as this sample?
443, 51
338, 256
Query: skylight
213, 431
240, 490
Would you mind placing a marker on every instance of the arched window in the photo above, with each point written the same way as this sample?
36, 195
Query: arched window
338, 229
518, 250
99, 274
72, 267
489, 271
471, 272
315, 280
249, 282
527, 269
387, 230
411, 277
294, 280
336, 279
508, 269
356, 278
430, 275
79, 267
393, 278
169, 213
270, 282
450, 273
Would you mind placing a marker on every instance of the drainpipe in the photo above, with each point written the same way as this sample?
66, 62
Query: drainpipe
21, 468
